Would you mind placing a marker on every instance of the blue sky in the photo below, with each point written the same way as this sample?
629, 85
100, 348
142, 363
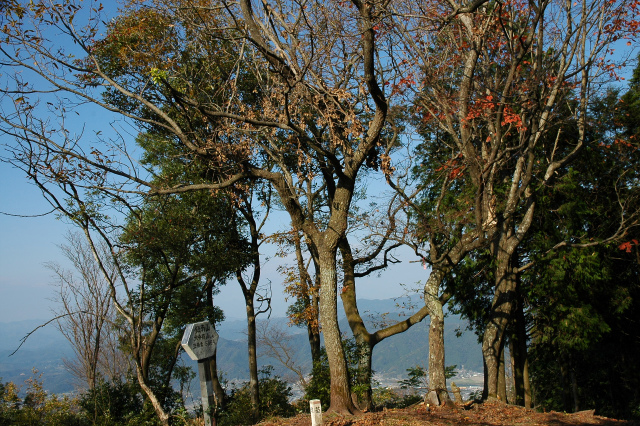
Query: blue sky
27, 244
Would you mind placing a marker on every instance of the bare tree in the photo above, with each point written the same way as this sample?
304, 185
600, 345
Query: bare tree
275, 342
87, 317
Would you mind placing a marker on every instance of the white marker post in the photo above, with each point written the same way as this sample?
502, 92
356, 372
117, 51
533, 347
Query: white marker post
316, 412
199, 342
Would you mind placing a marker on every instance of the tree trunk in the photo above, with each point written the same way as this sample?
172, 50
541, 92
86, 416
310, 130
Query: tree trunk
249, 293
142, 357
518, 372
314, 343
340, 393
155, 403
528, 399
502, 378
314, 327
254, 390
499, 317
574, 387
365, 399
492, 346
365, 344
437, 379
218, 391
485, 380
515, 371
518, 350
310, 297
360, 333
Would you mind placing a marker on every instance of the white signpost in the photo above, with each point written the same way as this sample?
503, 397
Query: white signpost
316, 412
199, 342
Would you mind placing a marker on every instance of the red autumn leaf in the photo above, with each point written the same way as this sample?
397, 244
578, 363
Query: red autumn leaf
626, 246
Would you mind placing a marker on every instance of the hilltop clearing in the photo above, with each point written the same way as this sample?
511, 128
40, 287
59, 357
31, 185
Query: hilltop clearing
488, 414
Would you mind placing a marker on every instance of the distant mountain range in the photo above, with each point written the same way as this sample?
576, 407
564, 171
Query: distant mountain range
46, 348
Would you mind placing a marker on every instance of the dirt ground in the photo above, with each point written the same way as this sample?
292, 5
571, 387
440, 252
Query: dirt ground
487, 414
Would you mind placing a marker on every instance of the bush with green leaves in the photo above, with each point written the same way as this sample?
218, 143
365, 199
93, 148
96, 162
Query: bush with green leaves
386, 397
408, 393
37, 407
320, 384
417, 377
319, 387
274, 401
118, 403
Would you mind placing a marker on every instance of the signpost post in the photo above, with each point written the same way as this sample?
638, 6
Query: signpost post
199, 341
316, 412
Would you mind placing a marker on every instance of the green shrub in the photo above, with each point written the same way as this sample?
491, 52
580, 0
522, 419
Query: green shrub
118, 403
274, 401
386, 397
416, 378
9, 402
37, 407
319, 386
394, 398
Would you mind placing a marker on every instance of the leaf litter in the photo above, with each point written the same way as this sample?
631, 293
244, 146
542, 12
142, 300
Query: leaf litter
486, 414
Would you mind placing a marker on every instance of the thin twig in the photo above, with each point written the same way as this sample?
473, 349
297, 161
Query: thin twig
24, 339
27, 215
